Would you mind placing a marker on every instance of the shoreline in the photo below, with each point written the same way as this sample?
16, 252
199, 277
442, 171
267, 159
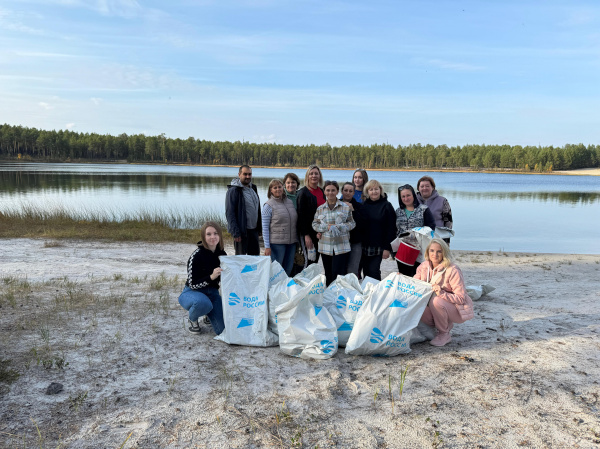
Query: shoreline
575, 172
103, 320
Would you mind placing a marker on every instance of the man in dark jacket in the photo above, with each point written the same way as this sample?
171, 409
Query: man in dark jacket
242, 209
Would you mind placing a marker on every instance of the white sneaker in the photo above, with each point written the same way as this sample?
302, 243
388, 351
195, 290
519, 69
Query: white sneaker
194, 327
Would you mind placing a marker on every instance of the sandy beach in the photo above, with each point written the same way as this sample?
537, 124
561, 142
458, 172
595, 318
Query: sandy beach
102, 319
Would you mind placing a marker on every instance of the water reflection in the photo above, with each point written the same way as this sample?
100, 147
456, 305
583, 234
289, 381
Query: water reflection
28, 182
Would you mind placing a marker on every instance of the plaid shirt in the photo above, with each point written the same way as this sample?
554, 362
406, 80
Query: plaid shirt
341, 216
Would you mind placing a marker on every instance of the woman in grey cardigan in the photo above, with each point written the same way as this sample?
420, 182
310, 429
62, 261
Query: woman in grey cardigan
279, 218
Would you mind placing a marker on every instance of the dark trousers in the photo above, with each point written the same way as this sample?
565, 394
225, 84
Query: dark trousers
335, 265
372, 266
249, 244
407, 270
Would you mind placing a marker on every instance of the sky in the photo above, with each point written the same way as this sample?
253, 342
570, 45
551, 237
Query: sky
306, 72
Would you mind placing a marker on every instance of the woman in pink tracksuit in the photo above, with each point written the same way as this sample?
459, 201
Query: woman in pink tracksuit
450, 303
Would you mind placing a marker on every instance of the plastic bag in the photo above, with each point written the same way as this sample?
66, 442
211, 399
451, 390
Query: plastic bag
306, 328
385, 321
244, 286
282, 283
477, 291
343, 298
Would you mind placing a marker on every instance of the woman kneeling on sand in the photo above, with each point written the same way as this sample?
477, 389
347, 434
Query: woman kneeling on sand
450, 303
200, 296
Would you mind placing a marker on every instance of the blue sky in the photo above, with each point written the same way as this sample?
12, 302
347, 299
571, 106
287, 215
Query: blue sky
342, 72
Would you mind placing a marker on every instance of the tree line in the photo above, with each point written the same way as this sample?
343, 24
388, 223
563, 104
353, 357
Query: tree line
34, 144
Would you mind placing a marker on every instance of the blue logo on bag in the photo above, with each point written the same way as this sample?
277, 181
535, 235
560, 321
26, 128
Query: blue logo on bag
249, 268
341, 302
317, 310
388, 284
292, 282
398, 303
345, 327
245, 322
327, 346
376, 336
234, 299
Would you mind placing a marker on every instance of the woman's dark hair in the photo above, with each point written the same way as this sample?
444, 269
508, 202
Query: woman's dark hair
365, 177
332, 183
407, 187
211, 224
347, 184
294, 177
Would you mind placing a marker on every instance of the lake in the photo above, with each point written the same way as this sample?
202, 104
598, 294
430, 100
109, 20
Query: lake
510, 212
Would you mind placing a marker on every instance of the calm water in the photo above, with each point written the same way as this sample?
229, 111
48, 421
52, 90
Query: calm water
535, 213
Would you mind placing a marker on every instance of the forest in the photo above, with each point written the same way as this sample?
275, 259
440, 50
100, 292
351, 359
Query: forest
18, 142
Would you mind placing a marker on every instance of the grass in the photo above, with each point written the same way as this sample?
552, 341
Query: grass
62, 223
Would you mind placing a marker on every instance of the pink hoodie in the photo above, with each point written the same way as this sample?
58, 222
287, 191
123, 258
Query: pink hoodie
451, 281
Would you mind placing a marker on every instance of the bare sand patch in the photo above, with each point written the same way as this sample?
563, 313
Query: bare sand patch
580, 171
103, 320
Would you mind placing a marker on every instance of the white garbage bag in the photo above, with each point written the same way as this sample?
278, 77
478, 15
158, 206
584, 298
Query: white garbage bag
384, 322
477, 291
244, 286
369, 282
306, 328
308, 274
343, 298
278, 274
281, 283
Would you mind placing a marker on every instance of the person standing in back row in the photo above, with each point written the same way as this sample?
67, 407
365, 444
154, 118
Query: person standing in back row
438, 205
310, 197
242, 209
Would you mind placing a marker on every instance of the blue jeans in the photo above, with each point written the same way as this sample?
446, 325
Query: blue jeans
284, 254
205, 301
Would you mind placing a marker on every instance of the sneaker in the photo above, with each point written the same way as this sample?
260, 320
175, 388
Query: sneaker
194, 327
206, 320
441, 339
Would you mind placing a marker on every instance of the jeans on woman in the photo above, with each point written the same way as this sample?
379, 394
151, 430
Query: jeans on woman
354, 259
205, 301
284, 254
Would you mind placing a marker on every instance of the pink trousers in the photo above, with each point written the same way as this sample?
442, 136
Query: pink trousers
441, 314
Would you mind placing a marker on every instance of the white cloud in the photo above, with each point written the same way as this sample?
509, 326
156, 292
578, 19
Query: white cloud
45, 105
96, 101
69, 125
270, 138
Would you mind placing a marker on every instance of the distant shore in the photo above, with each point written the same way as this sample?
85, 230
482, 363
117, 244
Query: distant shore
578, 172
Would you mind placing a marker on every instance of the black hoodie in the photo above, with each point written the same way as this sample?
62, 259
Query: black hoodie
379, 223
201, 265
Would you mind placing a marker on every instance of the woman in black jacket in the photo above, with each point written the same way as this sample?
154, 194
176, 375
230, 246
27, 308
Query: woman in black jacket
379, 229
200, 296
310, 197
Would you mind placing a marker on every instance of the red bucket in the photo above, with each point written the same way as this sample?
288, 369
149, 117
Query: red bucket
407, 254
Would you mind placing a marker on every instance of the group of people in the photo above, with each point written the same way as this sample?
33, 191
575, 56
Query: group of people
351, 231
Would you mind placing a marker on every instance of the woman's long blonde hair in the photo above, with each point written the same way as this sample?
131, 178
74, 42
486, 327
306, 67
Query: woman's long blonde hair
446, 255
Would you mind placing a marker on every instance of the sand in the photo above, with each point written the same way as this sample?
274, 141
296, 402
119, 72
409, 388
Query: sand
103, 320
